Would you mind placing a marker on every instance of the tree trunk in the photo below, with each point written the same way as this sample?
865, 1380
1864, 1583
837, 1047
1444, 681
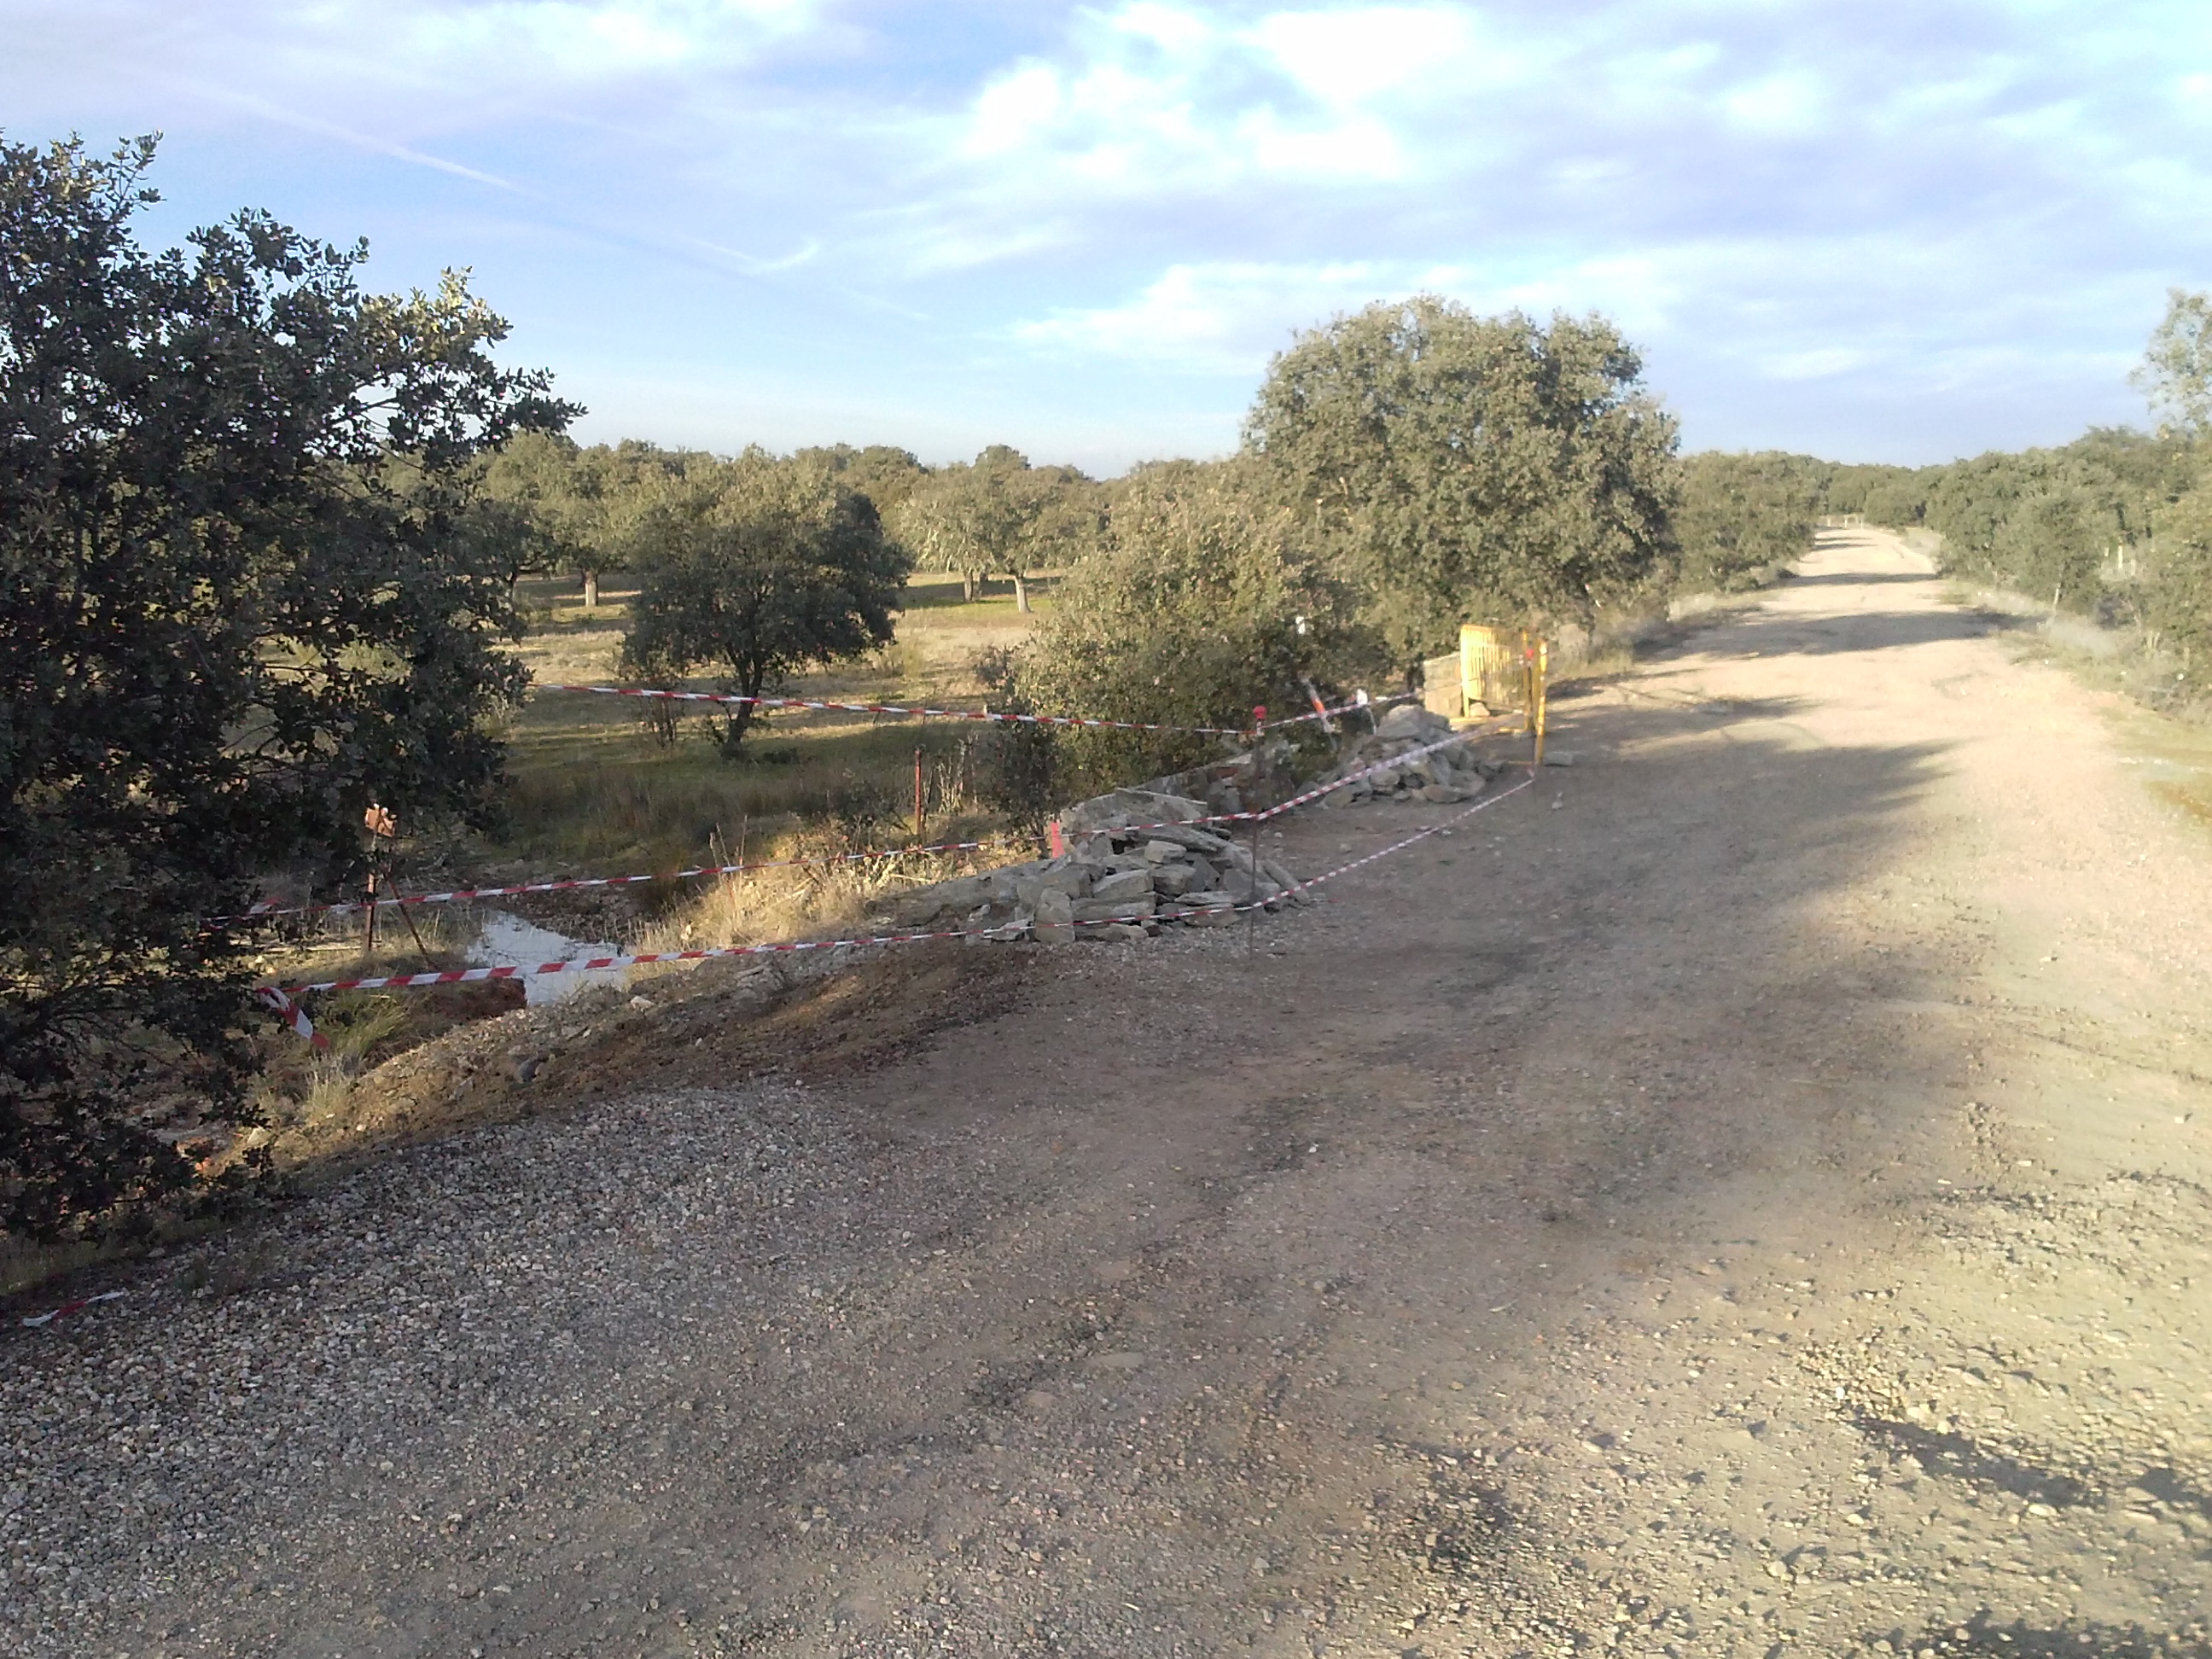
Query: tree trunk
1021, 592
591, 590
967, 588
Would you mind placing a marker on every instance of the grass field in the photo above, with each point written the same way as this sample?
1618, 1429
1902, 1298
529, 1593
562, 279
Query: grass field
591, 787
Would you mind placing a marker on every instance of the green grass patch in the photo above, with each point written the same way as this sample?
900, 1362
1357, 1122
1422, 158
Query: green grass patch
592, 789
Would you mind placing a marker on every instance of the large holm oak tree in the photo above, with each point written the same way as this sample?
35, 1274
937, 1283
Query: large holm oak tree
245, 590
757, 567
1462, 468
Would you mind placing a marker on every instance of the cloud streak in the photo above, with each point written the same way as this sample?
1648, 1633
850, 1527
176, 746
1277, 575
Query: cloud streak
1877, 227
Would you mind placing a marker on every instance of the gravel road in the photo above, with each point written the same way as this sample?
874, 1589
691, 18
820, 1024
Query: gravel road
1745, 1196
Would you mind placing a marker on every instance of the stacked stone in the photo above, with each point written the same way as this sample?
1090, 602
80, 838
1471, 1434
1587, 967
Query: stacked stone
1443, 775
1133, 865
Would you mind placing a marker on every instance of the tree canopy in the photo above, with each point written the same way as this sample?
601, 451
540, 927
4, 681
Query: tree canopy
244, 597
2176, 373
758, 566
1457, 467
1204, 600
998, 515
1741, 517
570, 507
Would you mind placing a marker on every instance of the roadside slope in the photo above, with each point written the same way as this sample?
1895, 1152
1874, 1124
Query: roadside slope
1747, 1194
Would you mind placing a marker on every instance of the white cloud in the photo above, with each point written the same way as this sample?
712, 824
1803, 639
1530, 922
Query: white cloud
1222, 317
1754, 189
1015, 111
374, 62
1152, 95
1823, 363
1779, 104
1349, 56
1171, 29
1358, 147
1228, 317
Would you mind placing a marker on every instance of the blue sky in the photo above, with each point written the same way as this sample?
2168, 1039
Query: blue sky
1880, 230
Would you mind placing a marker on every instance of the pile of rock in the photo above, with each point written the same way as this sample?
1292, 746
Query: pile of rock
1443, 775
1135, 861
1133, 864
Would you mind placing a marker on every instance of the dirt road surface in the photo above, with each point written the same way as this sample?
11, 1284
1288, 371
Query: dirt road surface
1746, 1195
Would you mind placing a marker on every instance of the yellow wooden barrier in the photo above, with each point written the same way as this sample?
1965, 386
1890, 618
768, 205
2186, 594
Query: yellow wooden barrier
1503, 670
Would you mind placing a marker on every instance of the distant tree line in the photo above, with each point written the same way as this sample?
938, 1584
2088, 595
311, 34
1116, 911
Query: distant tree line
2116, 525
1404, 470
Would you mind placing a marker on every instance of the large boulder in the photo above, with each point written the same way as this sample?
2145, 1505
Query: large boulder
1122, 885
1127, 806
1056, 918
1410, 719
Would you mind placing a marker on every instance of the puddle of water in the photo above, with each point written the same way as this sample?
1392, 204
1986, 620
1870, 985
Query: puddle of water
508, 941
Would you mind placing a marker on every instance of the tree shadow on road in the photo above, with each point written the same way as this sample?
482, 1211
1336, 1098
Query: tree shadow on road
1770, 634
1862, 578
1984, 1634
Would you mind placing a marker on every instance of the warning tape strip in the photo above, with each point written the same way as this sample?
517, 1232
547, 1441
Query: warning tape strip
1396, 762
280, 998
891, 709
263, 913
656, 694
460, 894
1482, 805
705, 953
82, 1302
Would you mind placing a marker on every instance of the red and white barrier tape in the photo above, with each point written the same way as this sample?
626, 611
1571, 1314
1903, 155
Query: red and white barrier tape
280, 998
267, 912
706, 953
1482, 805
1396, 762
262, 913
80, 1304
279, 1001
656, 694
892, 708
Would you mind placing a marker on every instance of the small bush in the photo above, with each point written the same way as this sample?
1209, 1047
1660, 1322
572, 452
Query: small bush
1205, 603
1015, 764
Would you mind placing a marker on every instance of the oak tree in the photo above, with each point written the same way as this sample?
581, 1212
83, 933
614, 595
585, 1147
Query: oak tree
243, 594
759, 567
1461, 468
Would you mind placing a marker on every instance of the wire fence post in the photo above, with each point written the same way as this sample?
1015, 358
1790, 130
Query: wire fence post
1252, 876
1542, 675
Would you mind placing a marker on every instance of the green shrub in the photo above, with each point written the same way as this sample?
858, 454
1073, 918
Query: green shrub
1741, 517
1204, 601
